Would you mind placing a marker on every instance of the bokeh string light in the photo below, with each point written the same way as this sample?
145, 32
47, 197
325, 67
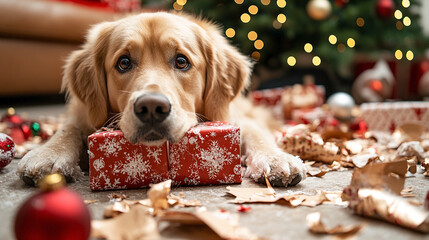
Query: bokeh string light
280, 19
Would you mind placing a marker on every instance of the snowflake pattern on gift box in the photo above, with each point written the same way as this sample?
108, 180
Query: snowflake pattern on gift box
155, 154
98, 164
118, 164
111, 146
135, 167
103, 182
214, 159
207, 154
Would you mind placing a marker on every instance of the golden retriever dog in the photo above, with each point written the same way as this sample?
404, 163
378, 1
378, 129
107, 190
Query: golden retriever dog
158, 74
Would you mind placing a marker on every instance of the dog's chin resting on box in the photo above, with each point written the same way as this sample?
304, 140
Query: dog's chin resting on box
155, 75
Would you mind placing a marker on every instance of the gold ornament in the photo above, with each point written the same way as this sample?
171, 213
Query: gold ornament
319, 9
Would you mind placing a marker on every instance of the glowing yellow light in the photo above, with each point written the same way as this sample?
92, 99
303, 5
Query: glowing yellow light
252, 35
239, 1
256, 55
409, 55
259, 44
360, 22
230, 32
407, 21
181, 2
405, 3
245, 17
177, 7
351, 42
276, 24
281, 3
308, 47
398, 14
265, 2
332, 39
291, 61
399, 25
253, 9
281, 18
316, 61
398, 54
341, 48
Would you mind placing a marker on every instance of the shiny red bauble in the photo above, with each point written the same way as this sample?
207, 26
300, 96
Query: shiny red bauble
58, 214
7, 150
385, 8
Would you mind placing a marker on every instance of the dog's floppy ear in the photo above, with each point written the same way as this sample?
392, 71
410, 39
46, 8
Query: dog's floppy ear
228, 73
84, 74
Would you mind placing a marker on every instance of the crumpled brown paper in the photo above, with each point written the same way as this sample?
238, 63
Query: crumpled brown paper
371, 193
385, 175
316, 225
134, 219
223, 223
266, 195
411, 149
138, 223
386, 206
158, 195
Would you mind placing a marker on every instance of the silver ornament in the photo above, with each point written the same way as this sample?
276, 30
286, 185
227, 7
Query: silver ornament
341, 105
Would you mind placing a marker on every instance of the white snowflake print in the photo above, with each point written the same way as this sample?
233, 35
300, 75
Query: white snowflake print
134, 168
91, 154
98, 164
233, 137
95, 183
214, 159
227, 179
110, 146
237, 169
194, 175
155, 153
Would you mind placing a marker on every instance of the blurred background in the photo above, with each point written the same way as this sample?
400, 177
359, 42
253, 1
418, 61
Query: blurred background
375, 50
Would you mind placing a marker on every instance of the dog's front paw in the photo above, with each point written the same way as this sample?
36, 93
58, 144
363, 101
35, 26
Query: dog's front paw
281, 169
46, 160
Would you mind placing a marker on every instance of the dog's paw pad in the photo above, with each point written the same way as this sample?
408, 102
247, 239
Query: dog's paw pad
281, 170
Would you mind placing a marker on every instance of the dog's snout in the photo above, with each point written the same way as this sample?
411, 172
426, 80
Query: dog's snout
152, 107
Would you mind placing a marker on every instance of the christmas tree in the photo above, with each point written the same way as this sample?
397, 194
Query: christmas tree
279, 33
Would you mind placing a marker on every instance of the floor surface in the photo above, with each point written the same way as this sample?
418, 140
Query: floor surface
270, 221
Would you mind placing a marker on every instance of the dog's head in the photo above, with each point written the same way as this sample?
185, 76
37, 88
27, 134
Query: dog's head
161, 71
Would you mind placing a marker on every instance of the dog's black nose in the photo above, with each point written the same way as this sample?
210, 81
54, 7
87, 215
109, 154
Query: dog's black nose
152, 107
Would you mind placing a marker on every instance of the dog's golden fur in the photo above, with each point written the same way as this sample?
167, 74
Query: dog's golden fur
211, 88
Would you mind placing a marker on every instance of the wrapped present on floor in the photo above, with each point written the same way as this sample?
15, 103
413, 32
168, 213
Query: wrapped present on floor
301, 97
387, 116
271, 98
209, 153
117, 164
283, 101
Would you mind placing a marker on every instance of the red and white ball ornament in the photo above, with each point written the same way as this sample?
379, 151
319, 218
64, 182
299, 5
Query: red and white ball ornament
7, 150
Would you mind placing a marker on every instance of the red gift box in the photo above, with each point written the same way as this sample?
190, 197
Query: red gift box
117, 164
387, 116
209, 153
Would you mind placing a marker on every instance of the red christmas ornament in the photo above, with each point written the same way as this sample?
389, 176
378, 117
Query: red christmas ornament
54, 213
26, 131
7, 150
341, 3
385, 8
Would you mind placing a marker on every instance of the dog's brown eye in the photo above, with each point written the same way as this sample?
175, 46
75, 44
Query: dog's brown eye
124, 64
182, 62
